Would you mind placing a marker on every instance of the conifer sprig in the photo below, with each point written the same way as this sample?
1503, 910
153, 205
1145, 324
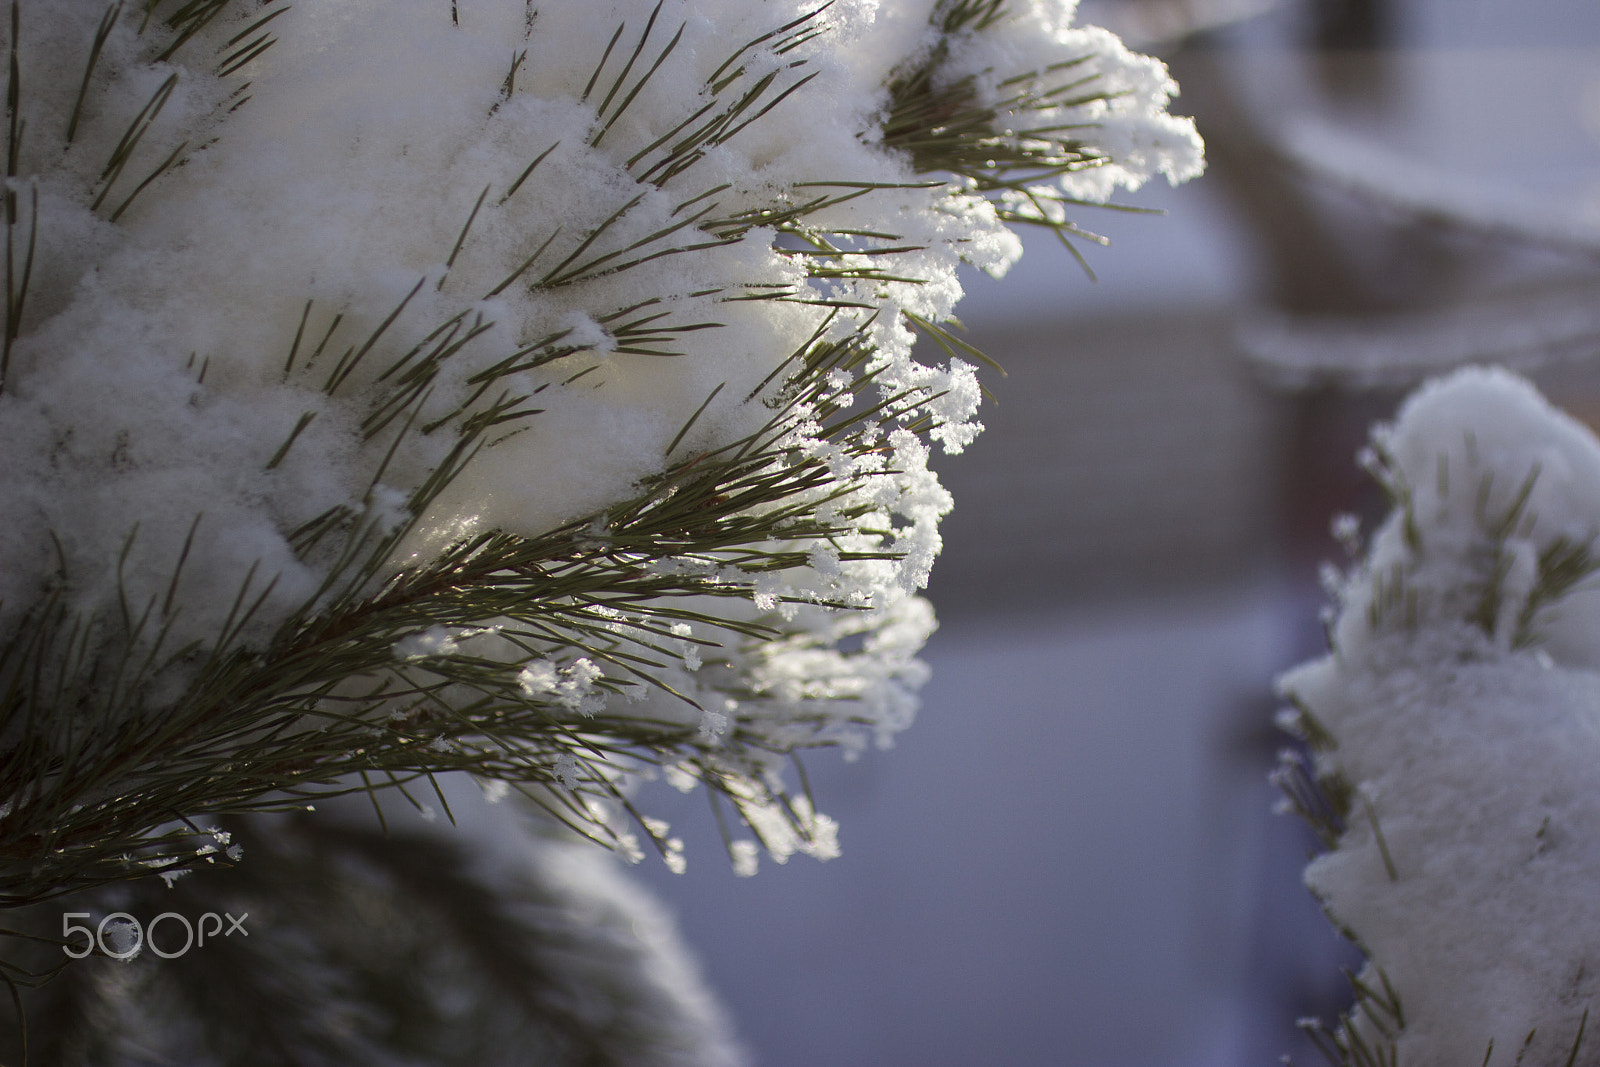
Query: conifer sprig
326, 708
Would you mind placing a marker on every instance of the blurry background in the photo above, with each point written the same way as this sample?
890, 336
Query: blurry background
1071, 858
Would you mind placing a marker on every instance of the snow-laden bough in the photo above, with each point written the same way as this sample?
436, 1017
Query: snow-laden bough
1456, 731
397, 388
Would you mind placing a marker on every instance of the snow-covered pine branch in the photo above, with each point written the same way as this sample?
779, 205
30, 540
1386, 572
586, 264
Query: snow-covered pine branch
1431, 195
397, 388
1521, 331
1456, 731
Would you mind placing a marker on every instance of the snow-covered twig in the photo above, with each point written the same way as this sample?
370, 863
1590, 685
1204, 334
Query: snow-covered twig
1429, 195
1523, 330
1159, 23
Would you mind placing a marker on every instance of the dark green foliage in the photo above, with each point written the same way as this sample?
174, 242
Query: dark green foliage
356, 947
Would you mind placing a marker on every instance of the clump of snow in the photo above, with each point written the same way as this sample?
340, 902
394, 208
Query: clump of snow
434, 641
1116, 97
571, 686
746, 856
1457, 727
